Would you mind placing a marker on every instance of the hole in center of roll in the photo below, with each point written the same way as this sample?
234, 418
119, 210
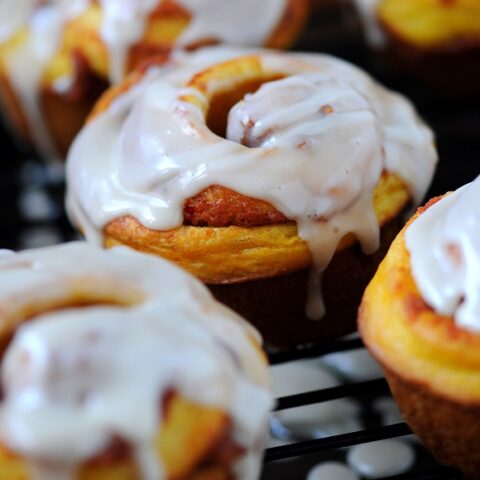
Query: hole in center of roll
29, 312
79, 299
223, 101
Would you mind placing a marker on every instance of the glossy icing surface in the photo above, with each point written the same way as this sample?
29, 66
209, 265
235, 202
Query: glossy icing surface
123, 25
248, 22
26, 63
313, 144
13, 19
317, 420
74, 377
356, 365
331, 471
444, 246
370, 460
226, 21
367, 10
384, 458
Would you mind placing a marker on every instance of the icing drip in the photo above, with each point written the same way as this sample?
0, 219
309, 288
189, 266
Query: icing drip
27, 62
317, 420
331, 471
32, 57
72, 379
367, 9
123, 25
225, 21
230, 21
310, 116
356, 365
444, 246
17, 14
384, 458
13, 19
316, 145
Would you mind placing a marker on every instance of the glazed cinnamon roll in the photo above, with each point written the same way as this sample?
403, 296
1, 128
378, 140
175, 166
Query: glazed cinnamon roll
436, 40
119, 366
420, 318
57, 56
258, 172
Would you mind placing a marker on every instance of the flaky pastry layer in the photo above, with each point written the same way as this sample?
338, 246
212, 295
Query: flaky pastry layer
83, 56
194, 441
443, 24
237, 253
412, 340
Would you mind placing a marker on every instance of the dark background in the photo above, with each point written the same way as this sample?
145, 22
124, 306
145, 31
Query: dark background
454, 118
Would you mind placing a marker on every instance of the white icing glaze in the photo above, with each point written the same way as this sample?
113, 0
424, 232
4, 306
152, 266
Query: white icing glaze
331, 471
317, 420
381, 459
225, 21
17, 14
444, 246
276, 442
231, 21
27, 62
13, 19
367, 9
123, 25
321, 139
357, 365
73, 378
25, 67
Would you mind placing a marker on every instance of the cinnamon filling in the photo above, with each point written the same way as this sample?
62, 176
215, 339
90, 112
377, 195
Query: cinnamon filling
222, 102
218, 206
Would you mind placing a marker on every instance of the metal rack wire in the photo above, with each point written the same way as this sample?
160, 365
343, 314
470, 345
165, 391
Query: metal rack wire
329, 447
289, 461
458, 141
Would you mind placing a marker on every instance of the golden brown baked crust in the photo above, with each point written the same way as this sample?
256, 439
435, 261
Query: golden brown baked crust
276, 305
11, 104
249, 254
406, 335
194, 442
244, 247
228, 237
449, 429
262, 272
232, 254
432, 366
437, 41
431, 24
83, 56
221, 207
291, 24
65, 113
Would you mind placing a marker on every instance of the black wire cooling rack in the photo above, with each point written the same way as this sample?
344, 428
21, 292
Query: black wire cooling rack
32, 214
31, 196
293, 461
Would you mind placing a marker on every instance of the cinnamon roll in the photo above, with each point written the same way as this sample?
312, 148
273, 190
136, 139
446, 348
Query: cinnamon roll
420, 317
258, 172
117, 365
435, 40
57, 56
